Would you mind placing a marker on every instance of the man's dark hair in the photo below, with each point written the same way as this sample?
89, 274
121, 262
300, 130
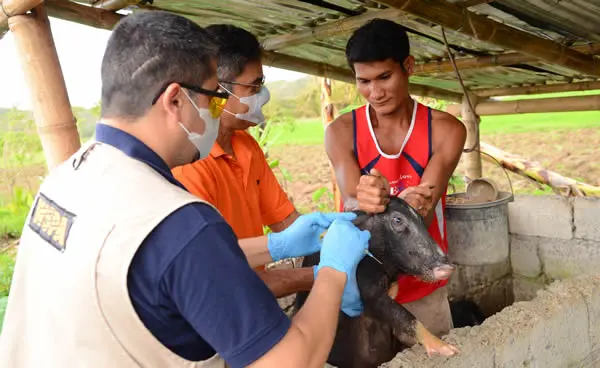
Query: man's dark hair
145, 52
237, 48
378, 40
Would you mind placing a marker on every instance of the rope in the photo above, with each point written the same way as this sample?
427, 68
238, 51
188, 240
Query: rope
464, 89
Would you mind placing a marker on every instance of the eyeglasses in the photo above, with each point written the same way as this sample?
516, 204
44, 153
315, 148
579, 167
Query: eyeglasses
216, 101
254, 85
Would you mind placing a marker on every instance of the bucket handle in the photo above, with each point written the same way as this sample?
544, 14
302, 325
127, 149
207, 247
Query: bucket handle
501, 166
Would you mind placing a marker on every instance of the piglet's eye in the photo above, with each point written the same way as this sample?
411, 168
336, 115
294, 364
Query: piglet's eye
397, 220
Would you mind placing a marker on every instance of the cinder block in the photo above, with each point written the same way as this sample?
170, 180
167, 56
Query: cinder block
541, 216
587, 218
562, 336
524, 257
474, 353
525, 288
589, 287
554, 330
566, 259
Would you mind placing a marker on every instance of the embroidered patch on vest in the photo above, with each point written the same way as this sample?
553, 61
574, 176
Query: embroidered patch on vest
51, 222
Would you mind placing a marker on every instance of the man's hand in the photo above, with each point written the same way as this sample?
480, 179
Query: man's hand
373, 192
419, 197
344, 247
303, 236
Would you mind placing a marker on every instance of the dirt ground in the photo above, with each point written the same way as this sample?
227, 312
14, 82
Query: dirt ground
572, 153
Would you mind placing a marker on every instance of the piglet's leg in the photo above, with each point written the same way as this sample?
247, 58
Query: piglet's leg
374, 290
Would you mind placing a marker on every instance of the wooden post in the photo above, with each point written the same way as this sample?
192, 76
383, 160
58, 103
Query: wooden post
471, 121
328, 115
48, 93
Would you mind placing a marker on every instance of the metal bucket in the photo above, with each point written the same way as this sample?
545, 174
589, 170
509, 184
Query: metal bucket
478, 231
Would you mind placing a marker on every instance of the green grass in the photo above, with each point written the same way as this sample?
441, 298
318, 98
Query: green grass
3, 302
310, 131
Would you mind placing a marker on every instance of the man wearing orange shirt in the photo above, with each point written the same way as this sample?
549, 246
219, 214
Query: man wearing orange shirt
235, 177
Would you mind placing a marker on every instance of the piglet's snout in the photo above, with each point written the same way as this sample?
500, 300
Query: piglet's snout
443, 272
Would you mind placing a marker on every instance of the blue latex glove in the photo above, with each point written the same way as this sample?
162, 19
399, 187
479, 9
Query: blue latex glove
344, 247
351, 303
302, 238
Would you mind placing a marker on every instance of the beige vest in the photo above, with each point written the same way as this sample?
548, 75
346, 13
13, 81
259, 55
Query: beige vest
68, 305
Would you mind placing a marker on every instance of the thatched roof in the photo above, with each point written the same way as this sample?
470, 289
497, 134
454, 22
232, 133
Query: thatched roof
497, 44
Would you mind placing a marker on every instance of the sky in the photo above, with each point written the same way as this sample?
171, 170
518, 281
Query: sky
80, 62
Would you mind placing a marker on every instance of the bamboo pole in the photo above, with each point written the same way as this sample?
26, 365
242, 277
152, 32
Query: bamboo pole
536, 89
472, 159
485, 29
41, 67
538, 105
328, 115
70, 11
534, 171
114, 4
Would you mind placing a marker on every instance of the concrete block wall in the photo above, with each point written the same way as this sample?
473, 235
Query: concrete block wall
557, 329
552, 238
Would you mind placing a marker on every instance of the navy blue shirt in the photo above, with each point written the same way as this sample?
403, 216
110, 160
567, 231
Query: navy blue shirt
190, 283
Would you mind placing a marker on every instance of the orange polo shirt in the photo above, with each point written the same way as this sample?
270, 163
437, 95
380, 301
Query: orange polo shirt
244, 189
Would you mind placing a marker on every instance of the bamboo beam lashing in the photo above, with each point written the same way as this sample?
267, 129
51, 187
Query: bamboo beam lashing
454, 17
538, 105
41, 68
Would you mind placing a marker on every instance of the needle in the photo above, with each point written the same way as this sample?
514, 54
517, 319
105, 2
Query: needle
372, 256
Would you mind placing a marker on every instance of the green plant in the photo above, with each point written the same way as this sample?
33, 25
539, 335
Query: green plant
7, 266
317, 198
14, 213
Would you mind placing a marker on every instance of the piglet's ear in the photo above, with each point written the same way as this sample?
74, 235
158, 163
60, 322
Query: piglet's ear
361, 220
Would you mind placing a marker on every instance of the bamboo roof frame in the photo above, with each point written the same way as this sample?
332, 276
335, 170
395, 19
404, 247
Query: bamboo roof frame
559, 63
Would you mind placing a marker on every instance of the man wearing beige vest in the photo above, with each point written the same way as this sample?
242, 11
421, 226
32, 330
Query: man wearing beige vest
120, 266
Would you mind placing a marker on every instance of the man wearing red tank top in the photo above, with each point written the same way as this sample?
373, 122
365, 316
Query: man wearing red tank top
394, 146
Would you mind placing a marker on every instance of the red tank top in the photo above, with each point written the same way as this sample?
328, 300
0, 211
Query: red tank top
403, 170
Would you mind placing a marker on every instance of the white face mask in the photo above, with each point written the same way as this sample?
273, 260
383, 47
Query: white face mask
254, 103
203, 142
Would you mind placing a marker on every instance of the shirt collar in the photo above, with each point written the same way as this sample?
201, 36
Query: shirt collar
217, 151
135, 149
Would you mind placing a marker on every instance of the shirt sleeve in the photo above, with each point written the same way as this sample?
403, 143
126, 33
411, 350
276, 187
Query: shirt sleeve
275, 206
196, 183
223, 299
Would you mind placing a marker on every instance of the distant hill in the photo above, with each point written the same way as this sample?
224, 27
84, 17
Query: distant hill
285, 90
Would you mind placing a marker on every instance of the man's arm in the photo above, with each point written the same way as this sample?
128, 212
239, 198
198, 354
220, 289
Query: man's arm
339, 147
283, 224
210, 277
285, 282
448, 140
